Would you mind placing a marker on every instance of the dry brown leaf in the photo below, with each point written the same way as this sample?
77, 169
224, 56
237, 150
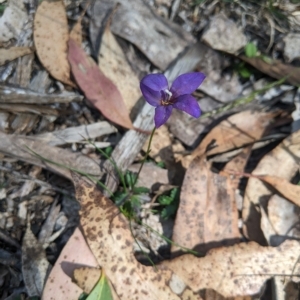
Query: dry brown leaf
238, 164
75, 254
207, 215
283, 161
275, 69
51, 35
86, 278
284, 187
34, 263
238, 130
238, 270
97, 88
12, 53
109, 237
115, 67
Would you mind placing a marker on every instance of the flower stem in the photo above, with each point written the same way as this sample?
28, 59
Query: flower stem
145, 158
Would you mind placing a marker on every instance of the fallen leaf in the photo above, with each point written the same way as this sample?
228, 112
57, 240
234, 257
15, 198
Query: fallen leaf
238, 270
75, 254
238, 164
275, 69
14, 16
109, 237
282, 161
76, 32
34, 264
97, 88
12, 53
238, 130
86, 278
116, 68
101, 291
284, 187
207, 215
51, 35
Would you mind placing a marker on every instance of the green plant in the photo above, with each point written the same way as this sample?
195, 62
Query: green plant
251, 50
169, 203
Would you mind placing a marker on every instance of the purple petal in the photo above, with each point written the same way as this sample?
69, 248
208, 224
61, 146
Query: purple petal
188, 104
162, 114
151, 87
186, 83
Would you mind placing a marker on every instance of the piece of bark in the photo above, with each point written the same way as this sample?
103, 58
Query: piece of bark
21, 147
76, 134
161, 42
12, 94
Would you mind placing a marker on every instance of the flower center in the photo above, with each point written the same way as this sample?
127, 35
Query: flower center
166, 96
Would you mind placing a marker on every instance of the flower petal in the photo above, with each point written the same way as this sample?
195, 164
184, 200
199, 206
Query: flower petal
151, 87
188, 104
186, 83
162, 114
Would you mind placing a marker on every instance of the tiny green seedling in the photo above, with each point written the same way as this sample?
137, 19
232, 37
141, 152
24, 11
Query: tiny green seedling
169, 203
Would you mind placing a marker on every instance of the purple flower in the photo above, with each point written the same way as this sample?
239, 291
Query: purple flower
157, 93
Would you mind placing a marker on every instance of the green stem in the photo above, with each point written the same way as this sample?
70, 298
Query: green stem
145, 158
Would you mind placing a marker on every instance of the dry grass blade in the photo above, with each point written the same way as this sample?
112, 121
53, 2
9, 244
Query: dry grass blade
51, 34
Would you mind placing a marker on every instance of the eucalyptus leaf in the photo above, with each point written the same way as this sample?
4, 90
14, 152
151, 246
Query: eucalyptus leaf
101, 291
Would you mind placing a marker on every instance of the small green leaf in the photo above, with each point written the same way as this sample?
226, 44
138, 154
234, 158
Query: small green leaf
245, 73
101, 291
141, 190
108, 151
174, 193
130, 179
161, 164
165, 200
120, 197
169, 211
250, 50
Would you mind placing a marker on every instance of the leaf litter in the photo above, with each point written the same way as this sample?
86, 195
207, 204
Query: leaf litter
220, 205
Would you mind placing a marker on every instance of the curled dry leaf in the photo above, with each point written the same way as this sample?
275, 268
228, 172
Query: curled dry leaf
238, 130
238, 270
97, 88
12, 53
207, 215
282, 161
75, 254
51, 35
